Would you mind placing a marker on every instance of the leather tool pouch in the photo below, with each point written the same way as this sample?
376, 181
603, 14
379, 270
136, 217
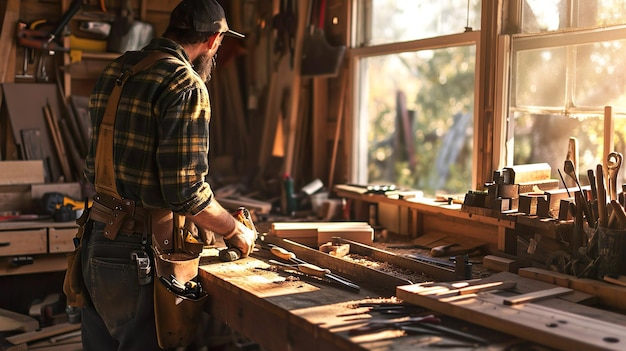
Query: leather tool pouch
73, 281
178, 298
114, 213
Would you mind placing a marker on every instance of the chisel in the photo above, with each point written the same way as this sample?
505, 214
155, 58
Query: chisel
310, 269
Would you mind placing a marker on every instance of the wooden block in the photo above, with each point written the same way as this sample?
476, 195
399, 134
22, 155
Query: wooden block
337, 250
72, 190
500, 264
538, 186
21, 172
361, 235
15, 198
529, 173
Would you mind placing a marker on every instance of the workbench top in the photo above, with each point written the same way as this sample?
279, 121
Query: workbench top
279, 313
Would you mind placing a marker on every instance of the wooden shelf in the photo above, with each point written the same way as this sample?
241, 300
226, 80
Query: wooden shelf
419, 215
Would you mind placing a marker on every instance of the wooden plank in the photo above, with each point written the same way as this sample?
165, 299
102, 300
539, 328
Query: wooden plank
537, 295
544, 325
57, 138
7, 38
292, 119
380, 282
42, 333
526, 285
615, 279
608, 295
13, 321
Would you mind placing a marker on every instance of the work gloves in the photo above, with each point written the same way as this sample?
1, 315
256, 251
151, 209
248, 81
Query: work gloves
242, 238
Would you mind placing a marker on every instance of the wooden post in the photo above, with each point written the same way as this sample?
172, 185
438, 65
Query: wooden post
608, 138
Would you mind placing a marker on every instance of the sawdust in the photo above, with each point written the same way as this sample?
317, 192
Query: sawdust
478, 271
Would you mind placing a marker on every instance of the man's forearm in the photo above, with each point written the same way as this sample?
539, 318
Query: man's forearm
215, 218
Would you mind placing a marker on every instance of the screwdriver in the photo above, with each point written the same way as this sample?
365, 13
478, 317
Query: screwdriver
310, 269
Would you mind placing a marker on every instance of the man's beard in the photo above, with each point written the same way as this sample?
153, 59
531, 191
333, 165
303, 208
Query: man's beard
203, 65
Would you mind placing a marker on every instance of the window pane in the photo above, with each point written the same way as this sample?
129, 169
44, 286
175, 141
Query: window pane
405, 20
548, 15
420, 111
540, 78
544, 138
544, 15
600, 72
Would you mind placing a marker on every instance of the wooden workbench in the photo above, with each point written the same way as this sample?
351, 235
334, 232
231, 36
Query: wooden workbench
279, 315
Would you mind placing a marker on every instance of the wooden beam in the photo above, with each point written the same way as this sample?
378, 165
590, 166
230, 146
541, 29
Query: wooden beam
7, 39
294, 98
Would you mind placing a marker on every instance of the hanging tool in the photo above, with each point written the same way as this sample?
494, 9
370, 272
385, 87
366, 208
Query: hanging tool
570, 169
594, 195
319, 58
42, 40
323, 273
24, 75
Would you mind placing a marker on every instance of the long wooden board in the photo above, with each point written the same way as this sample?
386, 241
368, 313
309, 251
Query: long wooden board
377, 281
608, 295
545, 325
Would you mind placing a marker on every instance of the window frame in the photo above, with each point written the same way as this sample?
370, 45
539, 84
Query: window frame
357, 166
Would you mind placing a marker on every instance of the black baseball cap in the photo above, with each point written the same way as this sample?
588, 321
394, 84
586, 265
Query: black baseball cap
205, 16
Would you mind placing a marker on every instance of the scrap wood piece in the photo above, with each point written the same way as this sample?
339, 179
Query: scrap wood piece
547, 326
615, 279
42, 333
10, 321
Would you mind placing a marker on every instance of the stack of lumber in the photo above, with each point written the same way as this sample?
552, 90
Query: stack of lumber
315, 234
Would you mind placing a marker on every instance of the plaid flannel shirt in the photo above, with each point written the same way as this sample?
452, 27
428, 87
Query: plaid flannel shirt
161, 139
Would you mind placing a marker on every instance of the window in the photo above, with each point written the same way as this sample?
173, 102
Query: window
415, 63
567, 66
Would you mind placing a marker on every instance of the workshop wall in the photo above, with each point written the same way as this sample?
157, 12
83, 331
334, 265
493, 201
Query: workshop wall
254, 86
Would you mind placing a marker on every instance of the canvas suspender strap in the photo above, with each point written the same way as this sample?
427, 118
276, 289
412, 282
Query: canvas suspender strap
105, 170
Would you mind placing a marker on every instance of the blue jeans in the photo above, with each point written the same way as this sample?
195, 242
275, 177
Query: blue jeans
119, 314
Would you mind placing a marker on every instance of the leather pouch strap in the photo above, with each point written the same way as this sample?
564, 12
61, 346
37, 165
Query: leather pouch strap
162, 229
113, 212
105, 171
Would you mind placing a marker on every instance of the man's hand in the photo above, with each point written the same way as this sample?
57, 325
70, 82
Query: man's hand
242, 238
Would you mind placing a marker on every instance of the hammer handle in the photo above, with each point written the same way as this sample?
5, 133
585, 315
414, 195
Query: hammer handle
602, 212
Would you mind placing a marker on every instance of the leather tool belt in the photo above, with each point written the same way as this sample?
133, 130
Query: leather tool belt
125, 217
